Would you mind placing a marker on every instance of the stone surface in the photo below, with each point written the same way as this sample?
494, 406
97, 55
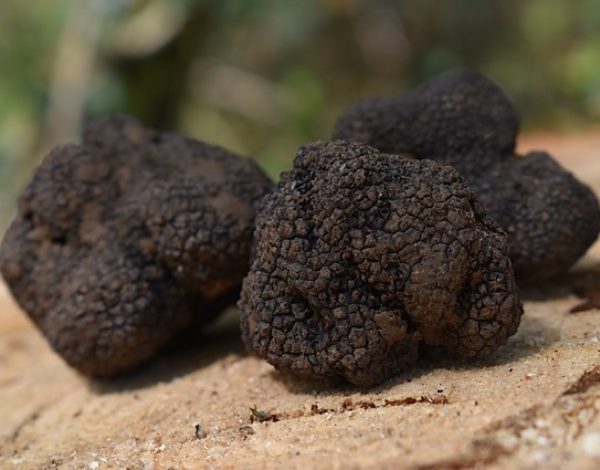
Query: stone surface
534, 403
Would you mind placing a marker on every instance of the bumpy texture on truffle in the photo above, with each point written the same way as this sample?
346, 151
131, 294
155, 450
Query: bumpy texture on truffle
463, 119
122, 241
365, 259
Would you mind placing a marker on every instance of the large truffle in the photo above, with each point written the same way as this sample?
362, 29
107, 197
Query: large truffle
463, 119
122, 241
363, 260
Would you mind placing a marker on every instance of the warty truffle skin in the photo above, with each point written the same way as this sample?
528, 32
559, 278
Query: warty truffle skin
122, 241
363, 260
463, 119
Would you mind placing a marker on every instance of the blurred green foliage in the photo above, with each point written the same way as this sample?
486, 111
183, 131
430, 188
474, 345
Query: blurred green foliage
263, 76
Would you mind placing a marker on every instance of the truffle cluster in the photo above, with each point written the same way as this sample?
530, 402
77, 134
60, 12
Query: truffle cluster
363, 260
364, 256
122, 241
463, 119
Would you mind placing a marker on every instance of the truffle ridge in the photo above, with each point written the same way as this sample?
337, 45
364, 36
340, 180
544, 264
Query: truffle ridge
463, 119
122, 241
364, 260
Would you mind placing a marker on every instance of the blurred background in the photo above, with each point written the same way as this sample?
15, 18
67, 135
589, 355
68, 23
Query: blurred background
261, 77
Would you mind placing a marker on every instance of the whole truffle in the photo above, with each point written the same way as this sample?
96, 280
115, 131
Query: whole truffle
463, 119
122, 241
364, 260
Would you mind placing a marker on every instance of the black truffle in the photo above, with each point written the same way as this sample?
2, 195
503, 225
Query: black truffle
122, 241
463, 119
363, 260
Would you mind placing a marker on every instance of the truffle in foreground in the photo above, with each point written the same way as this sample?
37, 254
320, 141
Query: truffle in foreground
463, 119
364, 260
124, 240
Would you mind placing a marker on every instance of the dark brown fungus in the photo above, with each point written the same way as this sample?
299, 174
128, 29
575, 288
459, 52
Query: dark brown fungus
463, 119
363, 260
122, 241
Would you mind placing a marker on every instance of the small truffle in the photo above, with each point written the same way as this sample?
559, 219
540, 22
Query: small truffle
365, 260
463, 119
550, 217
122, 241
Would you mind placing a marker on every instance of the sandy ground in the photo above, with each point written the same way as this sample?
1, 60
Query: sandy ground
534, 404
